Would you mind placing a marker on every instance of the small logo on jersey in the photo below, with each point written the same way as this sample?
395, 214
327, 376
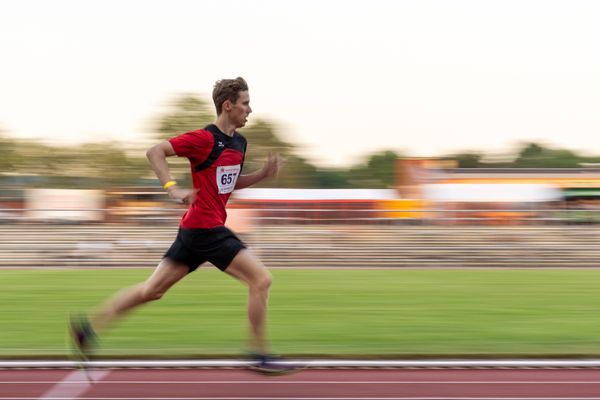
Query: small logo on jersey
222, 169
220, 144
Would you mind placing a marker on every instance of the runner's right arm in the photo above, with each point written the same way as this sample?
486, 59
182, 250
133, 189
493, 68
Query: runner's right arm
157, 156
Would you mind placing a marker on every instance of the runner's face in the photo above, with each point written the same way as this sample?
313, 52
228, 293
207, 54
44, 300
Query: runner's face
241, 109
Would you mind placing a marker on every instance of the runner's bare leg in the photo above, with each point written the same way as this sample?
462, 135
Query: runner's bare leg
250, 270
166, 274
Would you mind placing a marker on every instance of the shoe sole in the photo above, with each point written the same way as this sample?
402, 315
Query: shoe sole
274, 372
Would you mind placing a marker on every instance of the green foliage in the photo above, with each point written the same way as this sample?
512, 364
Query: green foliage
467, 160
9, 155
297, 173
91, 165
105, 164
382, 168
190, 112
528, 155
377, 172
332, 178
533, 155
187, 113
263, 140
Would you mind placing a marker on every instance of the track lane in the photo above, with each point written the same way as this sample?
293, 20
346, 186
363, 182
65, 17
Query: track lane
236, 384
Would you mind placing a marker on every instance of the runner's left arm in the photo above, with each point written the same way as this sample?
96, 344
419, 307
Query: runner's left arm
270, 169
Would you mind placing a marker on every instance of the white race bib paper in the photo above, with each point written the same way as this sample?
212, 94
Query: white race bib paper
227, 177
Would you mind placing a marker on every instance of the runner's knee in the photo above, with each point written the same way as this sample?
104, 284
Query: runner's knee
263, 283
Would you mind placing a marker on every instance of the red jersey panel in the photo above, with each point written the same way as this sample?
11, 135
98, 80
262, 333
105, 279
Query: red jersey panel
216, 161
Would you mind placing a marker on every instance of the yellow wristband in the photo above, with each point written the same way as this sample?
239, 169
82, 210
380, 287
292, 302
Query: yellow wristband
169, 184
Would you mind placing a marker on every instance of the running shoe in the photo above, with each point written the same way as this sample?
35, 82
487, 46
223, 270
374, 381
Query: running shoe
84, 339
268, 364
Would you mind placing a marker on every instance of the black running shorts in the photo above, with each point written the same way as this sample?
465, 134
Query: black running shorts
193, 247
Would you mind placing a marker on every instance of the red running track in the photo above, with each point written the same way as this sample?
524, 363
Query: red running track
354, 384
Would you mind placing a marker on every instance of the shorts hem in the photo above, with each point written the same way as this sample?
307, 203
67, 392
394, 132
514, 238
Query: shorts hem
234, 253
189, 267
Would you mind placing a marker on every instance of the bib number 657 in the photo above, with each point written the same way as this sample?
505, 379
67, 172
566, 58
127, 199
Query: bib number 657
227, 177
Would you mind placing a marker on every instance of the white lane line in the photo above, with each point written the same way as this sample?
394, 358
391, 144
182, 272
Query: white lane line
488, 364
104, 382
73, 385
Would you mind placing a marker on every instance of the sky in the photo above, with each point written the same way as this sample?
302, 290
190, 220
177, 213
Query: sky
340, 78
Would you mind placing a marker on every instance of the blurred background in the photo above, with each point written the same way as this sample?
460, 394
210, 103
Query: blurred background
415, 134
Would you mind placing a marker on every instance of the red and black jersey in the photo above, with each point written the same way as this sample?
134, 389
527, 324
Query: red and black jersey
216, 160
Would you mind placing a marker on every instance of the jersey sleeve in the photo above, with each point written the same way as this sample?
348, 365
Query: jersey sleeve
195, 144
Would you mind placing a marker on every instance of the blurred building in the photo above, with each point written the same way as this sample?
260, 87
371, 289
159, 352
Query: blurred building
427, 191
325, 206
502, 194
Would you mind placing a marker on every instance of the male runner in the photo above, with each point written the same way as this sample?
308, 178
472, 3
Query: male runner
216, 155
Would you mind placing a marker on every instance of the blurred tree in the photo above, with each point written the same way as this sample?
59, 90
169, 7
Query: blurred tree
531, 150
467, 159
188, 113
332, 179
33, 158
8, 148
378, 172
528, 155
533, 155
562, 158
382, 167
296, 173
108, 164
89, 165
263, 139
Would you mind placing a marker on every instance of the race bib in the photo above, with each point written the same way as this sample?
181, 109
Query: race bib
227, 177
